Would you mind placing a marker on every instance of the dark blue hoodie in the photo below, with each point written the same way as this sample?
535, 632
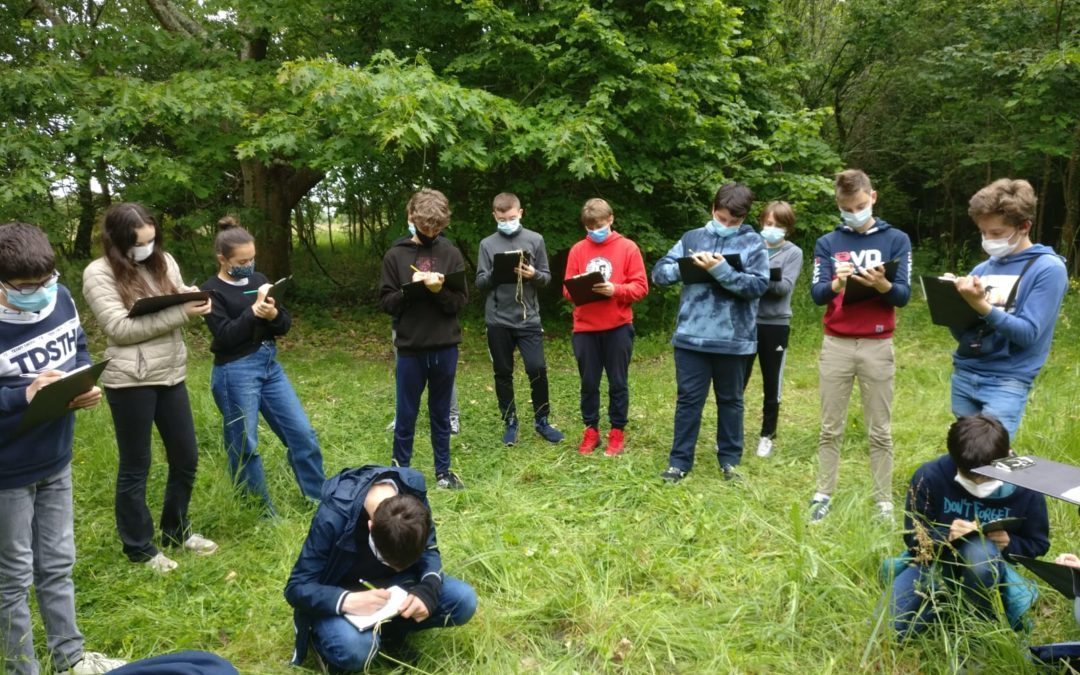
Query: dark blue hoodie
1016, 341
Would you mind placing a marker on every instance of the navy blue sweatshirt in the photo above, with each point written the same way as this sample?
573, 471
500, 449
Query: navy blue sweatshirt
237, 331
935, 499
33, 342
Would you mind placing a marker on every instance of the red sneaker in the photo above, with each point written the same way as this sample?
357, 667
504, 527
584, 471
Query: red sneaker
616, 442
589, 442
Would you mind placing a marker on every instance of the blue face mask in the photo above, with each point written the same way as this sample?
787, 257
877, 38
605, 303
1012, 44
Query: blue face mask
510, 227
772, 234
412, 230
242, 271
35, 302
599, 235
858, 220
715, 227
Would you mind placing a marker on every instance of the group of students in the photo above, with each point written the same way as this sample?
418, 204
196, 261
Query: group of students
373, 527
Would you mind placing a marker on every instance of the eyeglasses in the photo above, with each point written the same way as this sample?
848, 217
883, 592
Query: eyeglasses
30, 289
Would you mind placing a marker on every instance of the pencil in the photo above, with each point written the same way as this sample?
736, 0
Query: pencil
414, 268
368, 586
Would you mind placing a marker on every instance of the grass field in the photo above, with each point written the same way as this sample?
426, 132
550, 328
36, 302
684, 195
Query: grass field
582, 564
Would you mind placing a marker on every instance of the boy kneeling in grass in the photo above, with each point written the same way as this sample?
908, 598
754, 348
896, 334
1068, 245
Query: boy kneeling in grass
373, 530
947, 506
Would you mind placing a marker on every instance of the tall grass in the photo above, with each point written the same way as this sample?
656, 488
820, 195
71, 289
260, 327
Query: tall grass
582, 564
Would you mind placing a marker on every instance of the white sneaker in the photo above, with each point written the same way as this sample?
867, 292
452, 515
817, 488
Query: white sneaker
885, 511
200, 545
393, 423
95, 662
160, 563
764, 447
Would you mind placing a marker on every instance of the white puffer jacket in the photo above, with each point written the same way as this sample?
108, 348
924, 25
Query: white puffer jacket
148, 350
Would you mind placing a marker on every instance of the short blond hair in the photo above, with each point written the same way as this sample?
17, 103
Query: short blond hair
429, 209
594, 211
782, 214
850, 181
1012, 199
504, 201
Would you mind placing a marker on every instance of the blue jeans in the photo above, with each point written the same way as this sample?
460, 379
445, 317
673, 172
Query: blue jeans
694, 372
435, 369
37, 546
972, 573
256, 383
343, 647
1001, 397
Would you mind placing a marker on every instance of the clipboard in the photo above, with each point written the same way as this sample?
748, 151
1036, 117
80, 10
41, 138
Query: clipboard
503, 265
1053, 479
1062, 578
455, 281
278, 288
947, 306
856, 292
776, 274
51, 401
692, 274
580, 288
159, 302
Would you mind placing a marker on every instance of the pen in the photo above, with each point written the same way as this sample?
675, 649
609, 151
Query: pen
254, 290
33, 375
368, 586
858, 270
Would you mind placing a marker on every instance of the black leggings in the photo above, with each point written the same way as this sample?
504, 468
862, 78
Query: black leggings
772, 349
135, 410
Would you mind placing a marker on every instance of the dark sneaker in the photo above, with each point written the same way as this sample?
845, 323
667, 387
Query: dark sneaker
819, 508
730, 473
449, 481
511, 433
590, 441
550, 433
673, 474
616, 442
455, 425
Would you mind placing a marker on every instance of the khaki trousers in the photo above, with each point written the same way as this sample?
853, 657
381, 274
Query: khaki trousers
842, 361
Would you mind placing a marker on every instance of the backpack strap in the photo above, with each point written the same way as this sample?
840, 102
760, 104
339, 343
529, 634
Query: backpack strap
1011, 301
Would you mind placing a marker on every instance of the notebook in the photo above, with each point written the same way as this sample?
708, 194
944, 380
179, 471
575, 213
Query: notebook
384, 613
51, 401
159, 302
503, 265
580, 288
692, 274
856, 292
947, 306
455, 281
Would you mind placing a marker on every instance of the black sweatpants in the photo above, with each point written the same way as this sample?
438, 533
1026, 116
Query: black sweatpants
501, 344
599, 352
772, 349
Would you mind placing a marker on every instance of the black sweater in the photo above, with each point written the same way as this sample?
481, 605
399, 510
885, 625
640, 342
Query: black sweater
430, 321
237, 331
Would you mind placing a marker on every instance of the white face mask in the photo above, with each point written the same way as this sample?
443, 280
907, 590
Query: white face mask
980, 490
999, 248
858, 220
141, 253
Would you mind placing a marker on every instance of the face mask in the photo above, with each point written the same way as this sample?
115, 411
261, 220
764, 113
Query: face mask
772, 234
510, 227
980, 490
412, 229
141, 253
999, 248
35, 302
424, 239
859, 219
598, 236
242, 271
715, 227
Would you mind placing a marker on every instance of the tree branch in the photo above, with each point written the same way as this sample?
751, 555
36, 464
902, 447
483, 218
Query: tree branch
174, 20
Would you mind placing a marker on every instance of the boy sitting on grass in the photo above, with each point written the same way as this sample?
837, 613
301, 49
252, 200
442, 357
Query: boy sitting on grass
373, 530
947, 505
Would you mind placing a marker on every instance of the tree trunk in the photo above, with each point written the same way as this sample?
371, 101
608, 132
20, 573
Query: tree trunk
273, 191
1071, 193
84, 195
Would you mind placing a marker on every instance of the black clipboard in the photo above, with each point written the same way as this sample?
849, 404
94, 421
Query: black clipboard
278, 287
1006, 524
455, 281
1053, 479
51, 401
1062, 578
776, 274
692, 274
580, 288
947, 306
856, 292
159, 302
503, 265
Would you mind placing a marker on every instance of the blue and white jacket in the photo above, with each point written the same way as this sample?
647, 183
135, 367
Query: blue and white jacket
720, 317
33, 342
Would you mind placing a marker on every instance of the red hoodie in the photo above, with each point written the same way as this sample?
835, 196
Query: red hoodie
620, 261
